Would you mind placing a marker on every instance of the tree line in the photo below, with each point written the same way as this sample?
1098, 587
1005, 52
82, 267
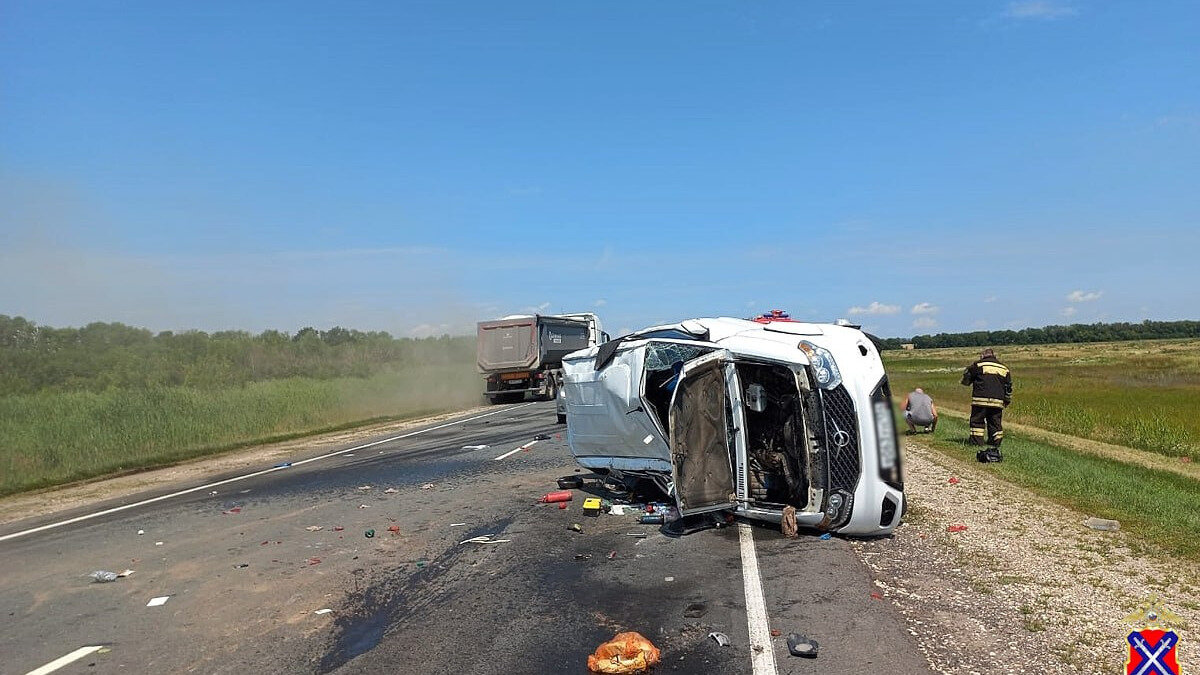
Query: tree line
102, 356
1094, 332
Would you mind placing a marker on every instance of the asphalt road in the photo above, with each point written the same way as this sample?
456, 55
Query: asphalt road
245, 574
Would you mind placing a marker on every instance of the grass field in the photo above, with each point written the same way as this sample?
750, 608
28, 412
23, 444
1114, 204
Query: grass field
48, 438
1143, 394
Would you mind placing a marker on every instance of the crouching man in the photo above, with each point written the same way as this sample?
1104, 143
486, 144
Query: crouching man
919, 411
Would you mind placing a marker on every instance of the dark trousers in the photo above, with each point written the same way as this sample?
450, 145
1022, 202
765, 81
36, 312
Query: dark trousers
985, 424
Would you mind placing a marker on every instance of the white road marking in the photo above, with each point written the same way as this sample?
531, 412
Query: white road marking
65, 660
209, 486
516, 450
762, 661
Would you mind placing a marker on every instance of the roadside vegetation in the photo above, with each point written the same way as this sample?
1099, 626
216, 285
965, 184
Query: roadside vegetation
1140, 395
1076, 332
82, 402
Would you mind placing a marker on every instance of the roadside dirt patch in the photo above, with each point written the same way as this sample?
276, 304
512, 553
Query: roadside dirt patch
66, 497
1026, 586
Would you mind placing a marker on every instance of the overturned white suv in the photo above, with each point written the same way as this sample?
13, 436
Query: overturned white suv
749, 415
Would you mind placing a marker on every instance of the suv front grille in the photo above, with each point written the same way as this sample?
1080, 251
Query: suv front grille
841, 423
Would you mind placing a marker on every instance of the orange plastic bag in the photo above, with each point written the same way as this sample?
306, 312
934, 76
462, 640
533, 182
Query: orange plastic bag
625, 653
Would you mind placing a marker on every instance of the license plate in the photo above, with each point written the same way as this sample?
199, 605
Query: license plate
514, 376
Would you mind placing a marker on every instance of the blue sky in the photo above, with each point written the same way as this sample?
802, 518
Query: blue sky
415, 167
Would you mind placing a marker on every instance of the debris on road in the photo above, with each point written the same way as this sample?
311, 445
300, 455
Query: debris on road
542, 437
787, 524
281, 465
427, 486
800, 645
314, 561
957, 527
721, 638
325, 610
364, 506
364, 488
241, 566
612, 555
695, 610
775, 632
141, 532
369, 534
562, 506
160, 600
668, 579
954, 480
483, 539
575, 527
570, 482
104, 576
158, 543
556, 496
591, 506
474, 447
625, 653
394, 529
652, 519
390, 491
826, 537
457, 524
618, 509
338, 528
639, 535
236, 509
1103, 524
314, 528
583, 556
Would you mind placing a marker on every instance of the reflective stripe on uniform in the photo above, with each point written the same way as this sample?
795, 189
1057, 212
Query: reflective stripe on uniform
987, 402
978, 431
991, 368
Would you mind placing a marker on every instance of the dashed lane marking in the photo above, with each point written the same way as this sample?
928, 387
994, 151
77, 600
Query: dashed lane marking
126, 507
66, 660
516, 450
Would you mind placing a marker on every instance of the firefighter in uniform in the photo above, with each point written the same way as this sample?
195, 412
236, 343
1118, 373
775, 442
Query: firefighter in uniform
991, 392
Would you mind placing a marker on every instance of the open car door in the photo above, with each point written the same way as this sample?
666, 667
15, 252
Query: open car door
701, 435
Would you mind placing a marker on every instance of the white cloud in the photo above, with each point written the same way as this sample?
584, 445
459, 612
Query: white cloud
538, 309
924, 322
1084, 296
599, 302
874, 308
1038, 10
925, 308
990, 298
1068, 311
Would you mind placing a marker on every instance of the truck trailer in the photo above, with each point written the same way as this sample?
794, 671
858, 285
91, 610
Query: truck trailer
523, 354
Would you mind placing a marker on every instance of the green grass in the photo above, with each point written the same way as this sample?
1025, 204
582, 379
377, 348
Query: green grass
49, 438
1161, 508
1138, 394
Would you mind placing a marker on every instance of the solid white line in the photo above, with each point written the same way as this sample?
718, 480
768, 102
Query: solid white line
327, 455
762, 661
65, 660
516, 450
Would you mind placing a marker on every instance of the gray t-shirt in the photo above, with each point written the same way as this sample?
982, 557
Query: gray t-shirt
920, 407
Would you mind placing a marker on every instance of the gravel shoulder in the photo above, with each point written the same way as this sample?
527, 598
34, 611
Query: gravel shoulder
1026, 584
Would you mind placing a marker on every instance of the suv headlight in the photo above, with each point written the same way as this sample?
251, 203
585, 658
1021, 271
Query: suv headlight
824, 367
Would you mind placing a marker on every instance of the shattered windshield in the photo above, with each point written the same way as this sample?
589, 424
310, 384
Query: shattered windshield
661, 355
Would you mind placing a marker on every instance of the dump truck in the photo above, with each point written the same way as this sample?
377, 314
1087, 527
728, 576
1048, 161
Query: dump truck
523, 354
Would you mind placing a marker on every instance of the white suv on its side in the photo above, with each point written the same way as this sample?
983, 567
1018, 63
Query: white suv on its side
746, 415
